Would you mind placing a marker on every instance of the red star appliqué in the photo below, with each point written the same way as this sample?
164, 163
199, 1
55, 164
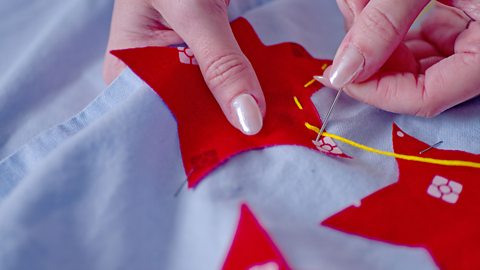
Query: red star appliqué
206, 138
252, 247
431, 206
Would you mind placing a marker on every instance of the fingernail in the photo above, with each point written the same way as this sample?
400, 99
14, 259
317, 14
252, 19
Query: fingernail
322, 80
346, 68
248, 114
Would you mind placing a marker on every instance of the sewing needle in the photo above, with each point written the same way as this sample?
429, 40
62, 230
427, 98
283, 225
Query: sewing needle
327, 118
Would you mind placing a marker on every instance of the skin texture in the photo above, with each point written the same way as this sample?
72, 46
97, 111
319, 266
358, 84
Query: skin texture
204, 26
422, 72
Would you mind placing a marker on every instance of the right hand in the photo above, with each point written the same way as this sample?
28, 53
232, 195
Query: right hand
424, 72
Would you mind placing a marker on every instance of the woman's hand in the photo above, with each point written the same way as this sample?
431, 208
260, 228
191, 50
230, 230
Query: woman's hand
421, 72
204, 26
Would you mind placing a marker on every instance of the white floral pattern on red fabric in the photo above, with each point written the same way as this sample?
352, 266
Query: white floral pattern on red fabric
448, 190
266, 266
327, 145
186, 56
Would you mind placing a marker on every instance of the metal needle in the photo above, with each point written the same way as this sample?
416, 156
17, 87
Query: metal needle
431, 147
180, 188
327, 118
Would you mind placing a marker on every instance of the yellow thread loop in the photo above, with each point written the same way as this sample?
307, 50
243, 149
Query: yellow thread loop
299, 105
445, 162
309, 83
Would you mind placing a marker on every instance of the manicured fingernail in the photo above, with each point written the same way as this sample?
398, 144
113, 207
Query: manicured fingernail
322, 80
347, 67
248, 114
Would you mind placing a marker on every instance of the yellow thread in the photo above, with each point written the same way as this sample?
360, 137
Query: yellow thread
299, 105
309, 83
324, 66
445, 162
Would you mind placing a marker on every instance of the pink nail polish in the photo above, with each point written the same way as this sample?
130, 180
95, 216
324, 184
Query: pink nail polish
323, 80
346, 67
248, 114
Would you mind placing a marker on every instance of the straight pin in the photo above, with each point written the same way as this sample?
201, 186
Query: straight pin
430, 147
327, 118
180, 188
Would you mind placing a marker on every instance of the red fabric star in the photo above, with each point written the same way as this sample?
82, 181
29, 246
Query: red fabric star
252, 248
206, 138
431, 206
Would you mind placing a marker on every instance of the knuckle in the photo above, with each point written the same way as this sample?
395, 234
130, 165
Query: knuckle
387, 90
224, 68
427, 107
423, 106
468, 60
217, 7
345, 7
379, 22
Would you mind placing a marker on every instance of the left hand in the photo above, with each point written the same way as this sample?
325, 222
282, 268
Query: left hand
204, 26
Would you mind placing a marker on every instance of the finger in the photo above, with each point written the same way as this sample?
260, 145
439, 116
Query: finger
444, 85
135, 25
421, 49
427, 62
374, 36
413, 34
350, 9
470, 7
401, 60
442, 28
226, 70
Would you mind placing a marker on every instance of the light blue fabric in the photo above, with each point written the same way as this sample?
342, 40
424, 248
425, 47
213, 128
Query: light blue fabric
96, 192
51, 64
16, 167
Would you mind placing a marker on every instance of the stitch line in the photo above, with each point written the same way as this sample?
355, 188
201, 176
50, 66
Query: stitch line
445, 162
309, 83
299, 105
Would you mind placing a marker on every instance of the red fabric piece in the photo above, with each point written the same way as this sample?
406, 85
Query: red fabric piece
252, 248
206, 137
431, 206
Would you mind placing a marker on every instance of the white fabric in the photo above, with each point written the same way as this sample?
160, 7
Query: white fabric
96, 192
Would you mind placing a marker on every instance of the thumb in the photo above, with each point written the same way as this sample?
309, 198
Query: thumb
351, 9
374, 36
205, 28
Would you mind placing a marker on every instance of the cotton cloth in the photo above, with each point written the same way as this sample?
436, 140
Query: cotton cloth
88, 176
